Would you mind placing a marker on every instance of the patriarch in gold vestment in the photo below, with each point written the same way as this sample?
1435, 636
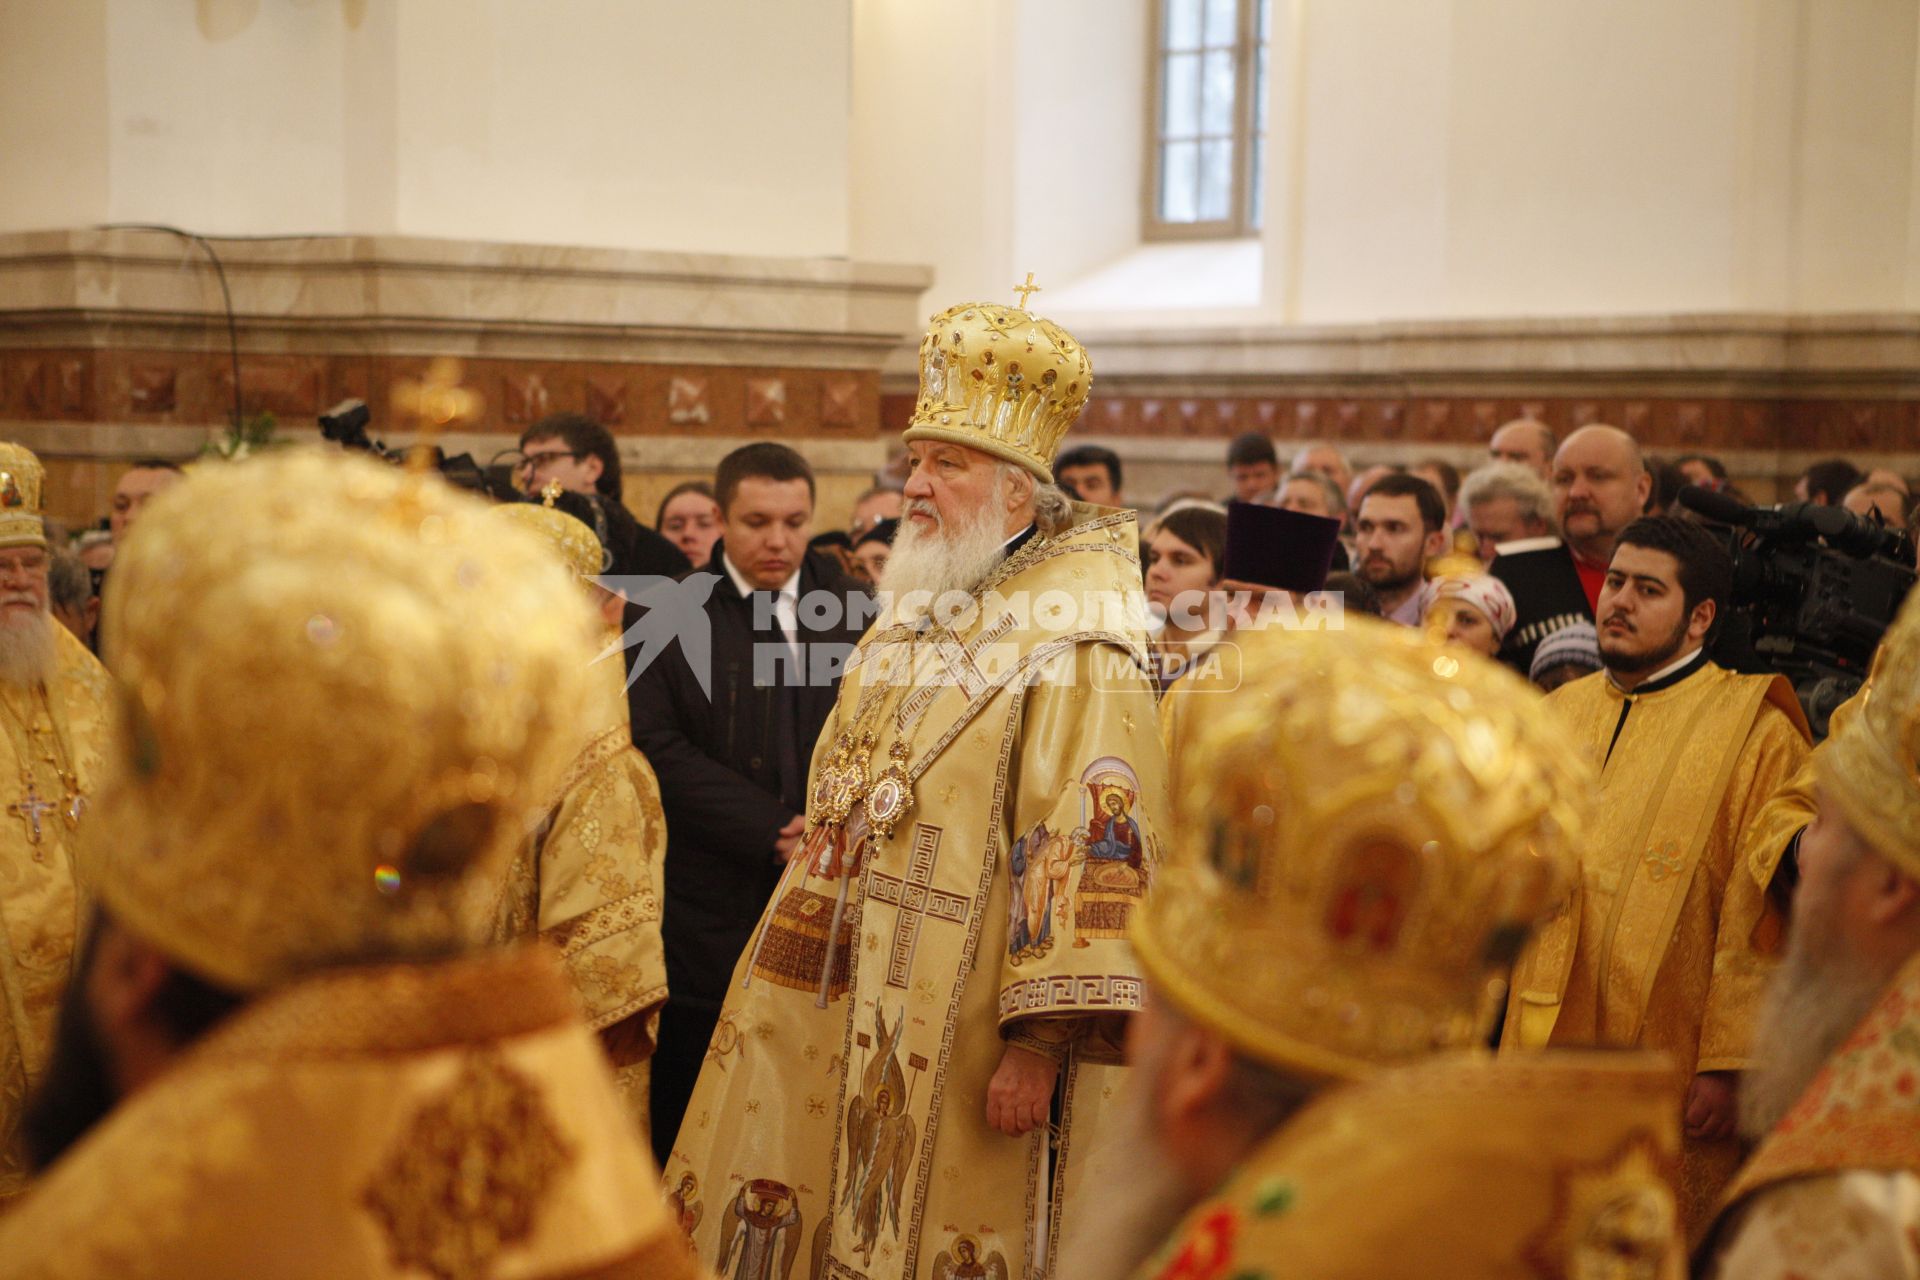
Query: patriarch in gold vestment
1669, 935
289, 1050
1833, 1191
589, 880
903, 1071
53, 696
1365, 832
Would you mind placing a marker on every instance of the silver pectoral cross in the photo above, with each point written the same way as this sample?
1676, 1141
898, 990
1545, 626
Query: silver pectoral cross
33, 808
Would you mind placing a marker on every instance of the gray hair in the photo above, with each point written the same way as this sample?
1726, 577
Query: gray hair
69, 584
1509, 480
1336, 500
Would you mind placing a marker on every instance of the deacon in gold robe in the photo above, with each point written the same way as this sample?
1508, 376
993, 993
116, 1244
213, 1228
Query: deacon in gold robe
900, 1078
53, 695
1833, 1191
589, 879
1362, 835
1667, 939
290, 1050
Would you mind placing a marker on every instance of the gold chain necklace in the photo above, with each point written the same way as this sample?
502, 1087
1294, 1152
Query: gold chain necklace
845, 782
32, 807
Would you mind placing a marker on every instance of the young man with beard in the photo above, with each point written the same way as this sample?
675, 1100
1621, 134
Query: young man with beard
1307, 1094
1662, 946
1833, 1192
897, 1065
1600, 486
1401, 523
290, 1049
53, 697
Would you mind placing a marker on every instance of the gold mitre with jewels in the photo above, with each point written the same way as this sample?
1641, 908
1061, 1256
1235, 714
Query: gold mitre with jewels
22, 481
1870, 766
345, 689
999, 379
1367, 830
576, 544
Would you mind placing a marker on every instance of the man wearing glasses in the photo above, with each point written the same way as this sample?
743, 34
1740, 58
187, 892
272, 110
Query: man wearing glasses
580, 454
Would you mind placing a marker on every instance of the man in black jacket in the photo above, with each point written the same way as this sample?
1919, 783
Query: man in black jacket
732, 757
580, 454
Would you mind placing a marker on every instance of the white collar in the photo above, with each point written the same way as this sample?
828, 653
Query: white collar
1007, 546
1517, 546
791, 590
1662, 673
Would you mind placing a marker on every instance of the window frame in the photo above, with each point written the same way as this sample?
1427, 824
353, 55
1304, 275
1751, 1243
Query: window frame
1246, 113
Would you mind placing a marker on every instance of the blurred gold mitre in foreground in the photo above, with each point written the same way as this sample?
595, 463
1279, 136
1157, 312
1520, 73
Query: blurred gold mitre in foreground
1871, 765
1368, 828
22, 483
1000, 380
344, 688
576, 544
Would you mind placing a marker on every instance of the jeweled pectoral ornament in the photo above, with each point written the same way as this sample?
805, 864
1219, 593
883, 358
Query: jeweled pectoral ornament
890, 796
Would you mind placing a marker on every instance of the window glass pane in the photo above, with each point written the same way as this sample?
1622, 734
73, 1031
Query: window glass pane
1180, 100
1216, 110
1260, 88
1265, 19
1183, 24
1179, 165
1216, 181
1256, 180
1223, 23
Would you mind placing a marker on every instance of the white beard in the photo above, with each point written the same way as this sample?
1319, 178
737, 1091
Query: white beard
26, 648
1815, 1001
1143, 1195
929, 562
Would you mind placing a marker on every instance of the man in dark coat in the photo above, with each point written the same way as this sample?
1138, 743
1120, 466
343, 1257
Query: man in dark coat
728, 722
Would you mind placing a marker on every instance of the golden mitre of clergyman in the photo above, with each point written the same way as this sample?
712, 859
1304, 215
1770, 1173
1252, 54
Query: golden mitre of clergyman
998, 379
1870, 766
345, 690
576, 543
22, 480
1367, 830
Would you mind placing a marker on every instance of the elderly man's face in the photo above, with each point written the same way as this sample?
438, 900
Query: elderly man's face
1522, 443
956, 482
872, 509
23, 584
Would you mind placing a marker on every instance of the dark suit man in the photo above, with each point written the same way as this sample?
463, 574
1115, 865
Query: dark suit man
732, 758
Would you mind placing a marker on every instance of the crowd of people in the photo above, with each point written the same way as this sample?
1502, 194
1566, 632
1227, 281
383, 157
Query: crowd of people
1350, 873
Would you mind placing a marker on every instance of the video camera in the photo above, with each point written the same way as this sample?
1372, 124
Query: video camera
1814, 589
346, 425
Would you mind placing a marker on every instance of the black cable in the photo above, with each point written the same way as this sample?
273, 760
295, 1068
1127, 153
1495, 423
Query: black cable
226, 294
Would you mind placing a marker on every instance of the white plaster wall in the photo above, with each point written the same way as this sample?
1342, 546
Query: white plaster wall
716, 126
53, 114
935, 109
720, 126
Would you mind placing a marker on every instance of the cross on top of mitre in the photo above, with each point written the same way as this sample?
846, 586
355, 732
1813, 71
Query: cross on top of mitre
432, 406
1024, 289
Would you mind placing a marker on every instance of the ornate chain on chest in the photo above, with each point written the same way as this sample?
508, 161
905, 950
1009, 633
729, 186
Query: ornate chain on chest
39, 739
846, 791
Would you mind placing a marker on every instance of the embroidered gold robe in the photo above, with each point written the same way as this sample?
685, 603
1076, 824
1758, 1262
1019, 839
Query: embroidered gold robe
446, 1120
1556, 1165
40, 903
1664, 943
589, 883
1833, 1193
842, 1111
